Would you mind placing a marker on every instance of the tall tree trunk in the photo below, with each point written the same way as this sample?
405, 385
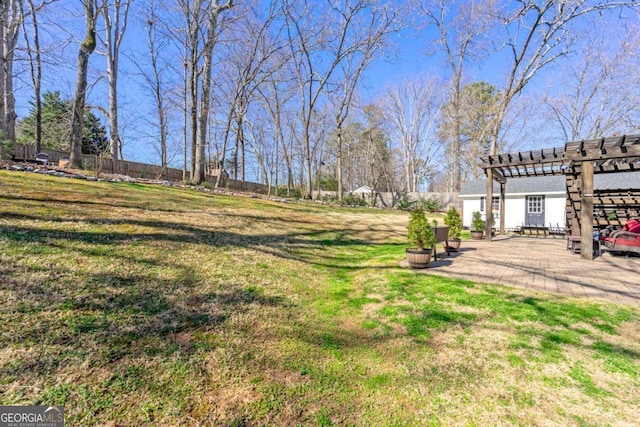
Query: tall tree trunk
225, 140
193, 98
339, 161
4, 18
9, 100
235, 155
156, 84
35, 65
205, 101
185, 136
10, 21
87, 47
307, 159
114, 137
203, 119
115, 27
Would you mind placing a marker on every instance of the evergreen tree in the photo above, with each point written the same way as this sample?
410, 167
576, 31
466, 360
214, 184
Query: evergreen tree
56, 126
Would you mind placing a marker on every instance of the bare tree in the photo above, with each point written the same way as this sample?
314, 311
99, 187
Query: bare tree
35, 66
412, 109
320, 41
153, 74
11, 15
249, 66
462, 25
597, 95
87, 46
214, 10
374, 29
193, 15
537, 34
274, 98
115, 14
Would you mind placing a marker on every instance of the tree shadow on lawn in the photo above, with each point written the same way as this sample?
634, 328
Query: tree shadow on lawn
110, 316
304, 246
144, 205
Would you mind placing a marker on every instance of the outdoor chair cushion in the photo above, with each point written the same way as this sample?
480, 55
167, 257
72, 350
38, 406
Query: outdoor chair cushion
635, 228
632, 223
623, 241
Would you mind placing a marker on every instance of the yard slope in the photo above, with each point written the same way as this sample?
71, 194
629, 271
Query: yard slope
146, 305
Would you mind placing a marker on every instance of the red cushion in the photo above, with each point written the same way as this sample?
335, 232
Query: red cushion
635, 228
631, 223
628, 242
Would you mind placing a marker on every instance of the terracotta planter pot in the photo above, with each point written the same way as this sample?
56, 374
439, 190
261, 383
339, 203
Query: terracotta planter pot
418, 258
477, 235
454, 244
63, 162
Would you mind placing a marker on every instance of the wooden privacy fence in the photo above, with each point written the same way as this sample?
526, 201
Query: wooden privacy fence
102, 164
133, 169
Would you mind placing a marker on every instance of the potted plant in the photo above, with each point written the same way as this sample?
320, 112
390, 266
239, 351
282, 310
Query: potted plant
477, 226
421, 238
453, 221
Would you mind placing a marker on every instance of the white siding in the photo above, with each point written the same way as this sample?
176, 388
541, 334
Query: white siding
468, 207
555, 206
514, 209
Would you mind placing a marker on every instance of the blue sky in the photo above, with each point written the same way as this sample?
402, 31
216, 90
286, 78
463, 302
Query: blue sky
135, 102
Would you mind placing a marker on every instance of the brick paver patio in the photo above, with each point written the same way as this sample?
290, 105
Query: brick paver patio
543, 265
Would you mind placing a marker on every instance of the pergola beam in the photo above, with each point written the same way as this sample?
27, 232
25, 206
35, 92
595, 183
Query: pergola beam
596, 154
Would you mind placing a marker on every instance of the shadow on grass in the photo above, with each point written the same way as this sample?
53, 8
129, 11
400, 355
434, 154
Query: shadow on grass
109, 316
304, 246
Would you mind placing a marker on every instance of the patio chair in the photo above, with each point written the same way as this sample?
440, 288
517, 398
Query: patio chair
625, 240
42, 158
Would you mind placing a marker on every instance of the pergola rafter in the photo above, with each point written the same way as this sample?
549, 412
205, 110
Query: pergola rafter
579, 161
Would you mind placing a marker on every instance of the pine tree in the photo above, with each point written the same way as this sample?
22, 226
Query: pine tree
56, 126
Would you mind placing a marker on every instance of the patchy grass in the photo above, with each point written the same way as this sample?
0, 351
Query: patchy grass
143, 305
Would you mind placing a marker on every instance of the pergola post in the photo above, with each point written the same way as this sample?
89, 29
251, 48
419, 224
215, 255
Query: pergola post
503, 186
586, 211
488, 208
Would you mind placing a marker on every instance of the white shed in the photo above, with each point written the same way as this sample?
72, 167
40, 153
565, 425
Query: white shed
536, 200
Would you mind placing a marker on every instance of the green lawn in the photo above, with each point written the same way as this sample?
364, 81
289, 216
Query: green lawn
143, 305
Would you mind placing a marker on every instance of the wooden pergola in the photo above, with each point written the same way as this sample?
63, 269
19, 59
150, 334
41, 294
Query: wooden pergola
578, 161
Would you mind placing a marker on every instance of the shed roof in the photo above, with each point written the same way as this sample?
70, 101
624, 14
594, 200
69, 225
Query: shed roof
365, 189
552, 184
